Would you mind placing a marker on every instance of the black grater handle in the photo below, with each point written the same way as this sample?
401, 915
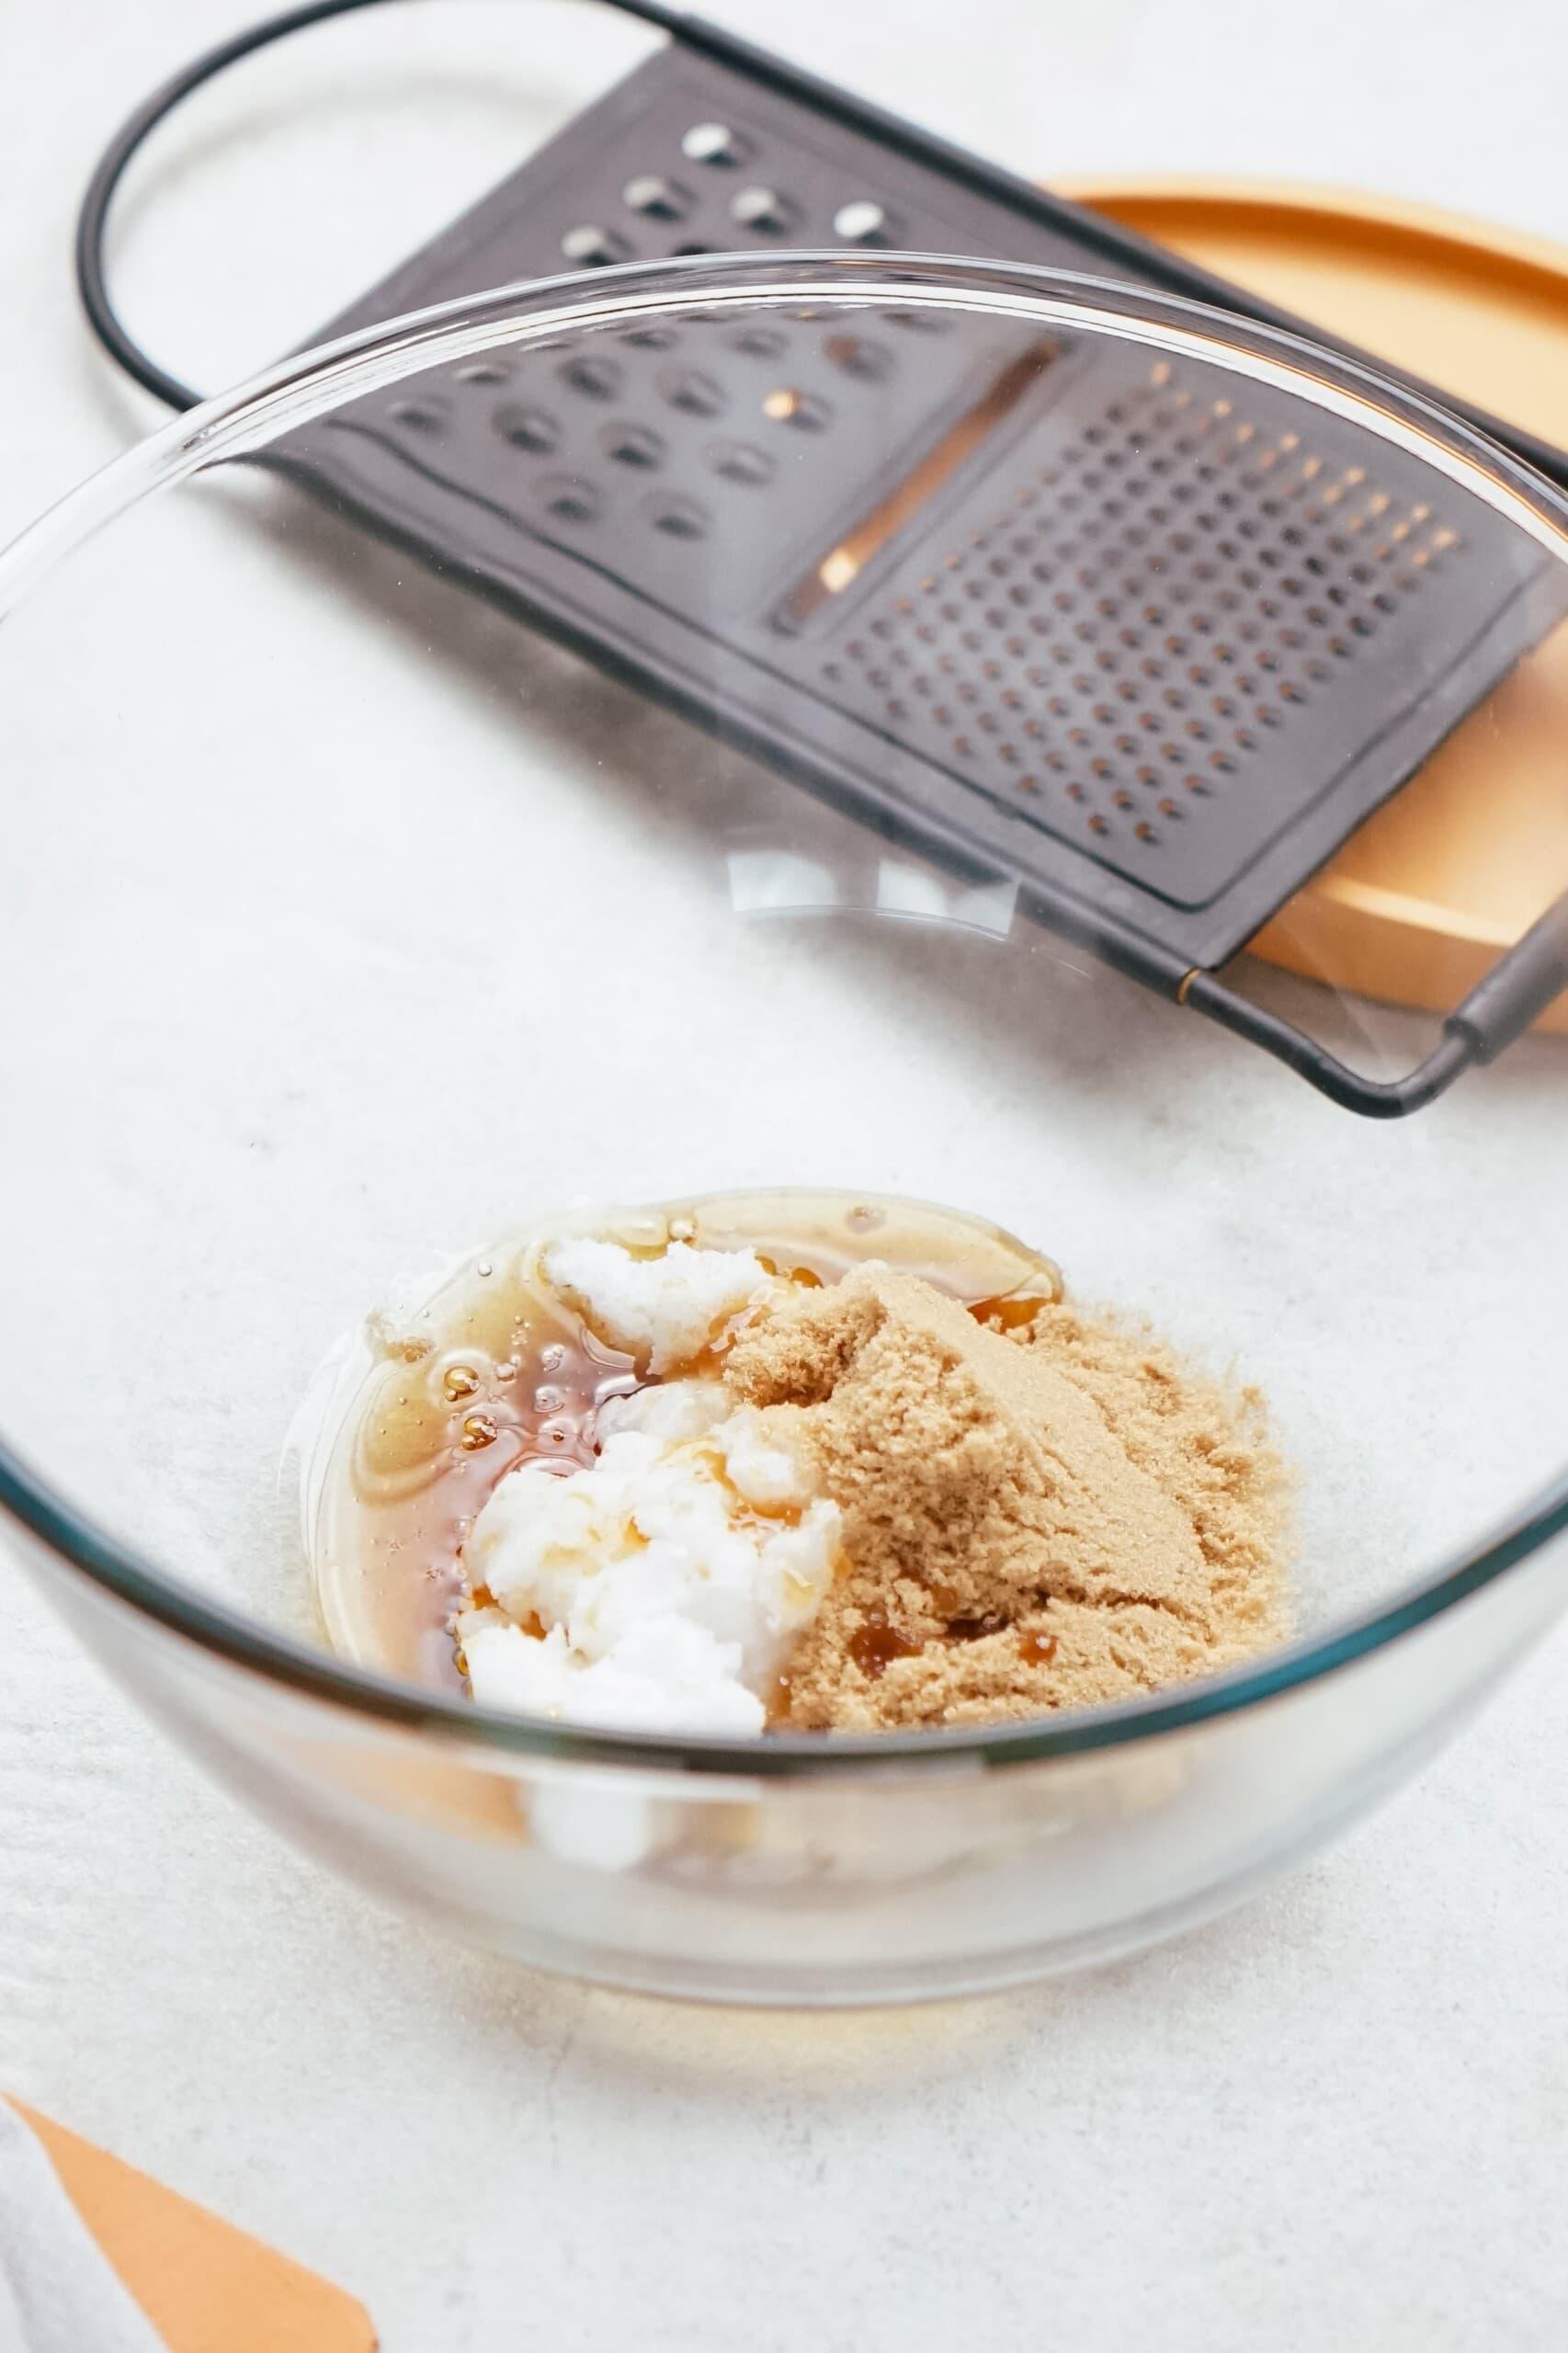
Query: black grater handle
1519, 985
92, 220
1373, 1099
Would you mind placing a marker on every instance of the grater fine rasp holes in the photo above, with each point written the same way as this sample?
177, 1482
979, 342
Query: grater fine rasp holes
1156, 605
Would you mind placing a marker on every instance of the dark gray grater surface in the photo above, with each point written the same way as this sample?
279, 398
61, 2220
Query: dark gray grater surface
1142, 647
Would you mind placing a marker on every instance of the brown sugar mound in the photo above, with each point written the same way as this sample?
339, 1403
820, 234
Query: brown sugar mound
1054, 1517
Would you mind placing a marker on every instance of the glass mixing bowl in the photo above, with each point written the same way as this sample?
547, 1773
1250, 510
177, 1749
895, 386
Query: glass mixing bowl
345, 921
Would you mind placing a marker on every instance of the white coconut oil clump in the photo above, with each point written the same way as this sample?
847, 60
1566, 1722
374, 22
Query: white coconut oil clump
661, 1589
665, 1311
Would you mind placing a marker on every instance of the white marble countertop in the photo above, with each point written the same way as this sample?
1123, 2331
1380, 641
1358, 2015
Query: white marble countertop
1339, 2117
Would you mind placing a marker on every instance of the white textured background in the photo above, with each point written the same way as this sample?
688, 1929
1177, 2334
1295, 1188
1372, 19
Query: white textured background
1341, 2118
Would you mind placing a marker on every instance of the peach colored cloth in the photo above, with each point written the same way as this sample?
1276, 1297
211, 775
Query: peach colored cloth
57, 2293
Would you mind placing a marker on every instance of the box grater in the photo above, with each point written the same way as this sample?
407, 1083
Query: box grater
1145, 640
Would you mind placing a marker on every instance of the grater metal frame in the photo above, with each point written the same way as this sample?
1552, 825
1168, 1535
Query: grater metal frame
383, 467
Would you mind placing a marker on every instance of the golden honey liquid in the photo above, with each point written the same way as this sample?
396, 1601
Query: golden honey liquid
496, 1371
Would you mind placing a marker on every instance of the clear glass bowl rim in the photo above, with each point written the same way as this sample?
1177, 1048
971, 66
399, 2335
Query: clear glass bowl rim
241, 422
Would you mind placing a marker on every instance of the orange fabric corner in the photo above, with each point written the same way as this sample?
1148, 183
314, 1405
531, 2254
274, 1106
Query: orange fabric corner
205, 2286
